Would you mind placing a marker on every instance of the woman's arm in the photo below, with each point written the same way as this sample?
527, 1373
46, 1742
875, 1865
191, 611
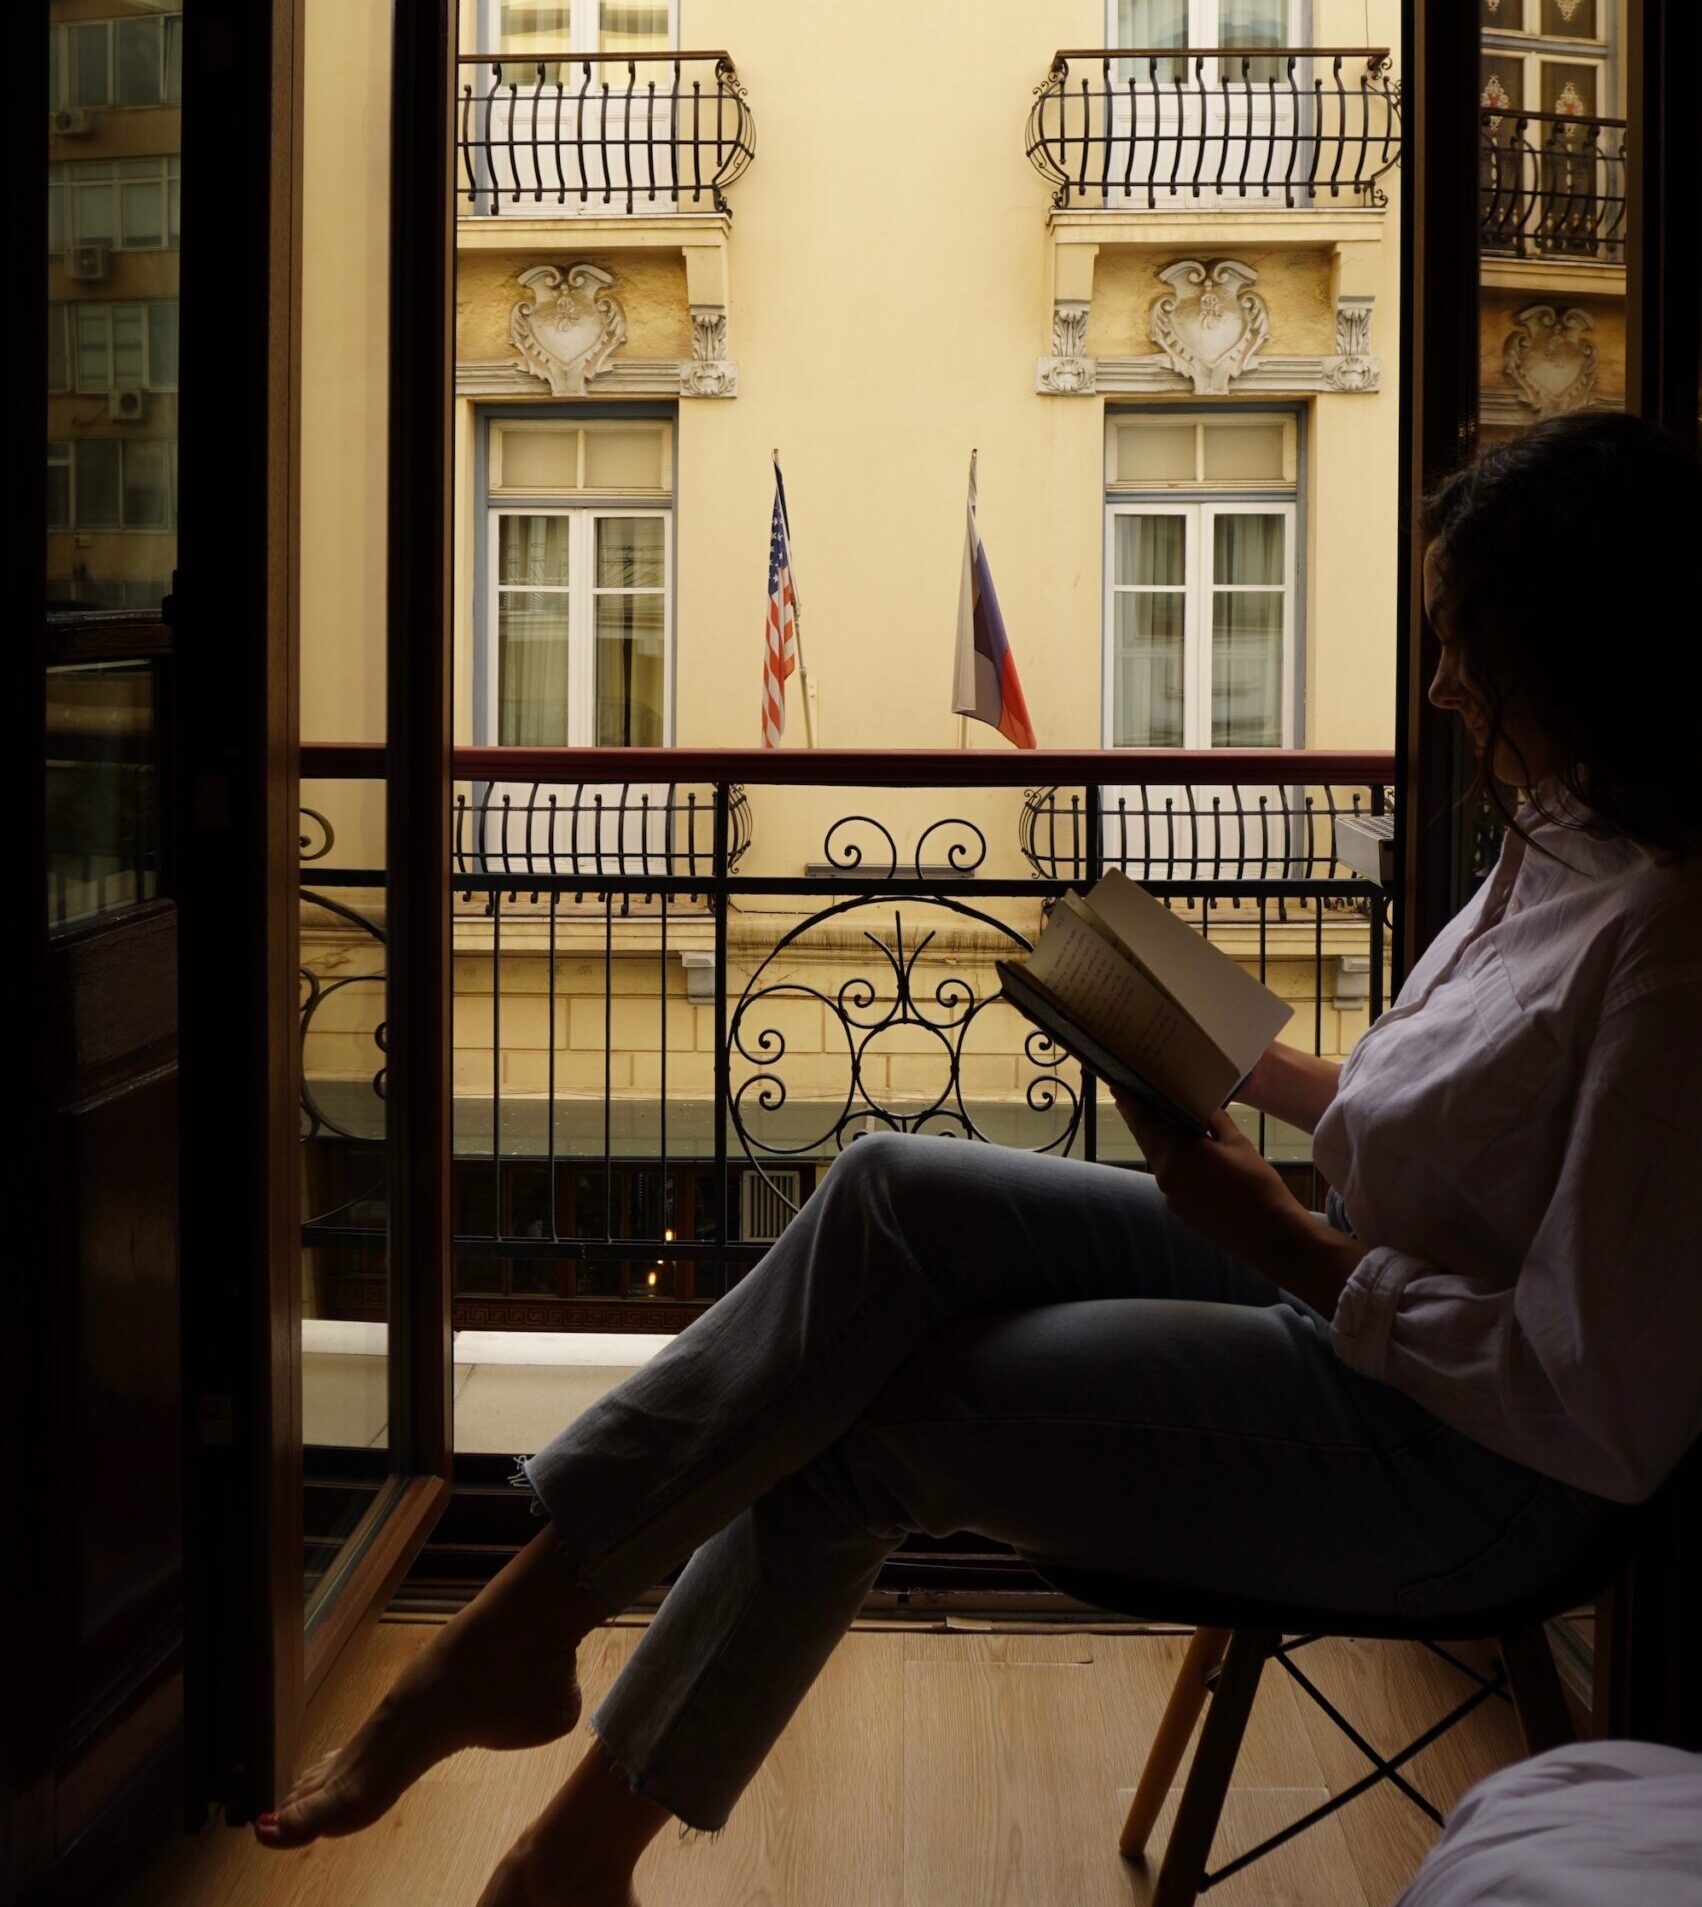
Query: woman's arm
1591, 1357
1291, 1085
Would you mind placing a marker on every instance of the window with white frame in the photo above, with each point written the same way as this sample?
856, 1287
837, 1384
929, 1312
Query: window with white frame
532, 27
578, 608
122, 204
111, 483
1549, 56
134, 61
1203, 24
1200, 581
96, 346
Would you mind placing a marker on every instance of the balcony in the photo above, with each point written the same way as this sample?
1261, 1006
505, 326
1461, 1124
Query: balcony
676, 1001
1151, 129
600, 133
1552, 187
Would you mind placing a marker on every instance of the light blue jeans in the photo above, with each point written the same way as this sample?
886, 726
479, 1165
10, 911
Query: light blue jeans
956, 1336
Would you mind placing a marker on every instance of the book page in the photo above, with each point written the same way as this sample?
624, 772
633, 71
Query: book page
1136, 1020
1240, 1016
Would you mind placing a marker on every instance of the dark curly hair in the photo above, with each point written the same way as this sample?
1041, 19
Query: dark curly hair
1569, 556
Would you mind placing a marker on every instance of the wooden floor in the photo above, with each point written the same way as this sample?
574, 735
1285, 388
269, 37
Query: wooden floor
925, 1769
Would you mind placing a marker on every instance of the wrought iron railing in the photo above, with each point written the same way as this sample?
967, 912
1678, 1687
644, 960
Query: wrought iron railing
1241, 831
1150, 127
656, 1057
1552, 185
532, 832
601, 132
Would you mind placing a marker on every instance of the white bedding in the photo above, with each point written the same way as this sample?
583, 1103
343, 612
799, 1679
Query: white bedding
1595, 1824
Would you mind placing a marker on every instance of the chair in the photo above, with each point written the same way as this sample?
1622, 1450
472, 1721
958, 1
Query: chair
1234, 1637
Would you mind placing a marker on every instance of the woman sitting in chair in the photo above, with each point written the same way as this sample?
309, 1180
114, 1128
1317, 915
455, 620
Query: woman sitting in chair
1424, 1403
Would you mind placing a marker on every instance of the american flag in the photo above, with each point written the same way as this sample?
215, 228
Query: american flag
780, 636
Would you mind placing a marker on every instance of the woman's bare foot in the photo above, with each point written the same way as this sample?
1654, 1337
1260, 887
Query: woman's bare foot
581, 1851
499, 1675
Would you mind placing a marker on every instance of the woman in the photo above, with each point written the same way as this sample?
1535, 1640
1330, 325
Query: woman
1428, 1402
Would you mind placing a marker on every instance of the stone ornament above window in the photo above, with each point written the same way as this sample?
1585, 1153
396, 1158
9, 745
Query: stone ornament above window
567, 327
1549, 360
1212, 322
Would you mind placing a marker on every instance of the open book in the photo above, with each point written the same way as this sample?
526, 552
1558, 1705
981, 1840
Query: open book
1151, 1006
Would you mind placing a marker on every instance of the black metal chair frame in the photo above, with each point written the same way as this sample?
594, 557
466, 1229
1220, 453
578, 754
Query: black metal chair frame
1235, 1637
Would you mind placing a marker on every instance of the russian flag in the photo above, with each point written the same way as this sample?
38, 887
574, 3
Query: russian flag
986, 683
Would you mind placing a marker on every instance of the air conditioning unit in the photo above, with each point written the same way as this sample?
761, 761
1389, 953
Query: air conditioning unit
125, 406
86, 262
72, 122
767, 1201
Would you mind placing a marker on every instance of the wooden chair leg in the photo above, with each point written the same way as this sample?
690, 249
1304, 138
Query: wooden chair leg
1170, 1743
1538, 1698
1191, 1832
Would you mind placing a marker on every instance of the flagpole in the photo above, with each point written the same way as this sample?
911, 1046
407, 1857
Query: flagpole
806, 685
963, 720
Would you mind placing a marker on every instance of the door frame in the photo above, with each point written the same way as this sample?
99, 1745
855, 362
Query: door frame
251, 1665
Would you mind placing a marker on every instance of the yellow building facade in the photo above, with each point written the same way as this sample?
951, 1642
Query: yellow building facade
1154, 286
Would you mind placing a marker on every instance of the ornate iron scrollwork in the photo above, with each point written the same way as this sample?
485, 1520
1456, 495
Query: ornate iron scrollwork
864, 1012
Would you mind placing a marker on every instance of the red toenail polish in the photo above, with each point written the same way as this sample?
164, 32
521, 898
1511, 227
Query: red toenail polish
268, 1820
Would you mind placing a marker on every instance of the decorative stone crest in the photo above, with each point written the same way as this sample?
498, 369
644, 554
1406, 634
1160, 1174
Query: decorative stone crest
1212, 323
568, 327
1069, 371
709, 374
1549, 361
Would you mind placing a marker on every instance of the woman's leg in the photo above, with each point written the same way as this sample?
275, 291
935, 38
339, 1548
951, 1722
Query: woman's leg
1224, 1448
904, 1236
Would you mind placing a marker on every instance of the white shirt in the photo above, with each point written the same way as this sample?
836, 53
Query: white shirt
1601, 1821
1518, 1141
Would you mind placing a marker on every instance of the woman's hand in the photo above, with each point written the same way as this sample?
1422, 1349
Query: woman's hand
1221, 1186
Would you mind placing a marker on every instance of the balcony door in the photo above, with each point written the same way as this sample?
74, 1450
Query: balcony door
573, 113
1200, 633
1186, 131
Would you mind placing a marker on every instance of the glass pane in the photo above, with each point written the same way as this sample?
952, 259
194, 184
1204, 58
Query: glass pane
1253, 23
58, 497
1151, 549
1244, 453
1155, 453
632, 26
1246, 669
624, 459
533, 549
538, 459
58, 348
129, 351
531, 635
630, 671
173, 59
1248, 549
162, 345
147, 486
1570, 87
1146, 677
139, 53
103, 794
96, 467
93, 214
90, 84
1570, 20
143, 211
94, 369
534, 26
1502, 81
630, 552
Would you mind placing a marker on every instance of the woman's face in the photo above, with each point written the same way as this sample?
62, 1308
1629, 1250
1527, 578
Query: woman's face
1521, 756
